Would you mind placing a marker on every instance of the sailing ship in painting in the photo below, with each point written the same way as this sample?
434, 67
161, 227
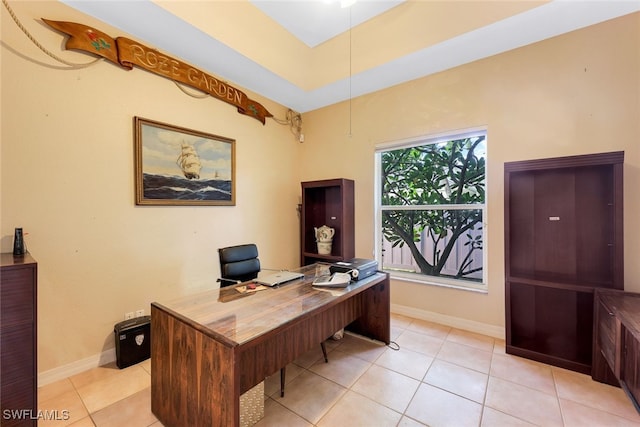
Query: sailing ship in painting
189, 185
189, 161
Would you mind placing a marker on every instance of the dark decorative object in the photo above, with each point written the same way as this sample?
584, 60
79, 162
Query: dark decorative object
18, 243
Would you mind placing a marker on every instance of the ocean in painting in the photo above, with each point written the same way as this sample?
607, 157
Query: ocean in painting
164, 187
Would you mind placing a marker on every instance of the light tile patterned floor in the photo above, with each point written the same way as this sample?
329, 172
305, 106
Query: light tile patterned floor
439, 377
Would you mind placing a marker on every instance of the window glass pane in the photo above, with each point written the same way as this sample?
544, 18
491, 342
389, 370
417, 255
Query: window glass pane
441, 243
442, 173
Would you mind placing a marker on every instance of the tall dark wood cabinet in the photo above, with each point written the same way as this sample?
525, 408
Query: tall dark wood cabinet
563, 239
18, 340
327, 202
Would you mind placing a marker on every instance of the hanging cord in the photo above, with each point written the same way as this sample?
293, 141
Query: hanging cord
294, 121
350, 71
42, 48
193, 95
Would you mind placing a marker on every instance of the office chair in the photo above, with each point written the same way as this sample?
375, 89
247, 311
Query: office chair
239, 264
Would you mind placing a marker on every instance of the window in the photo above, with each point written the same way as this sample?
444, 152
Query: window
430, 209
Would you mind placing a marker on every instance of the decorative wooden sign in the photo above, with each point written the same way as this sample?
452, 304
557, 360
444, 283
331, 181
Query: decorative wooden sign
127, 53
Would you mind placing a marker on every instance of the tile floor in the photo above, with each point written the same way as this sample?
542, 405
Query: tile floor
440, 377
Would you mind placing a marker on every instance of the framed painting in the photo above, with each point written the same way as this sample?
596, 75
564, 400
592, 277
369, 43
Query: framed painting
178, 166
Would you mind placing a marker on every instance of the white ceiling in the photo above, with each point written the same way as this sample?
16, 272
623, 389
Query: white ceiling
314, 22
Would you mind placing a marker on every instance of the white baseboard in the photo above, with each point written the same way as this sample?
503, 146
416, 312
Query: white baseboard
455, 322
65, 371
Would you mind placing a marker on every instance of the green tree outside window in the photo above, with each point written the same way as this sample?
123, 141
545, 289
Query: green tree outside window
436, 191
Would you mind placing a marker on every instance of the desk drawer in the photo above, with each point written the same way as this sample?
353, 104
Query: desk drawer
630, 377
609, 336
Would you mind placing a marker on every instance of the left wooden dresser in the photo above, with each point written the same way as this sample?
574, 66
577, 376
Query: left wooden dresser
18, 340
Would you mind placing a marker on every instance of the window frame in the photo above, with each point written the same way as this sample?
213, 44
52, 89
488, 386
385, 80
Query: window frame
378, 209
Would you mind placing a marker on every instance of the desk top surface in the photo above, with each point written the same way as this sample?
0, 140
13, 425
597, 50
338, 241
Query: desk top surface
626, 306
237, 317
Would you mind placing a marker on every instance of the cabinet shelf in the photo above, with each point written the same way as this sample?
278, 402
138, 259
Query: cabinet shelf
560, 283
322, 257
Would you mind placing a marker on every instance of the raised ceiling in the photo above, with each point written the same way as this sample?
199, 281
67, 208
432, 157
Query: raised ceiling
315, 22
302, 54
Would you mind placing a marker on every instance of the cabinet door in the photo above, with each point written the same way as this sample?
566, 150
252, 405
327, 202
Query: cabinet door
16, 296
18, 397
17, 353
608, 333
17, 373
630, 377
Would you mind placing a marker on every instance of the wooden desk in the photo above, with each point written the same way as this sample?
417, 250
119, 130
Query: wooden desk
208, 349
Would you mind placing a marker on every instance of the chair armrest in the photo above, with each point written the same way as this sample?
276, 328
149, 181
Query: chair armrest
227, 282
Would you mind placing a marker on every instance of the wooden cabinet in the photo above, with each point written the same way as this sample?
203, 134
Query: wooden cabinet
616, 350
327, 202
563, 239
18, 373
630, 375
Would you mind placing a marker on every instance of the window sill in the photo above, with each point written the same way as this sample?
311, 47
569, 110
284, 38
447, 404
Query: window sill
480, 288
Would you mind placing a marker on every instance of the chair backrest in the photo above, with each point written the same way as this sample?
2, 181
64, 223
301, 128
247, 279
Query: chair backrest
239, 262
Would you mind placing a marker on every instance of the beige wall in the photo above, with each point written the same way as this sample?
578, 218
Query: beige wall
68, 180
574, 94
67, 168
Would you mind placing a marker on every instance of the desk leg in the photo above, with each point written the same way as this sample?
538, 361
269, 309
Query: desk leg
375, 321
193, 380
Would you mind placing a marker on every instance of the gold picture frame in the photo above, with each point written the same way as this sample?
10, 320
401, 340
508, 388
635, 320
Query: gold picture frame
179, 166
